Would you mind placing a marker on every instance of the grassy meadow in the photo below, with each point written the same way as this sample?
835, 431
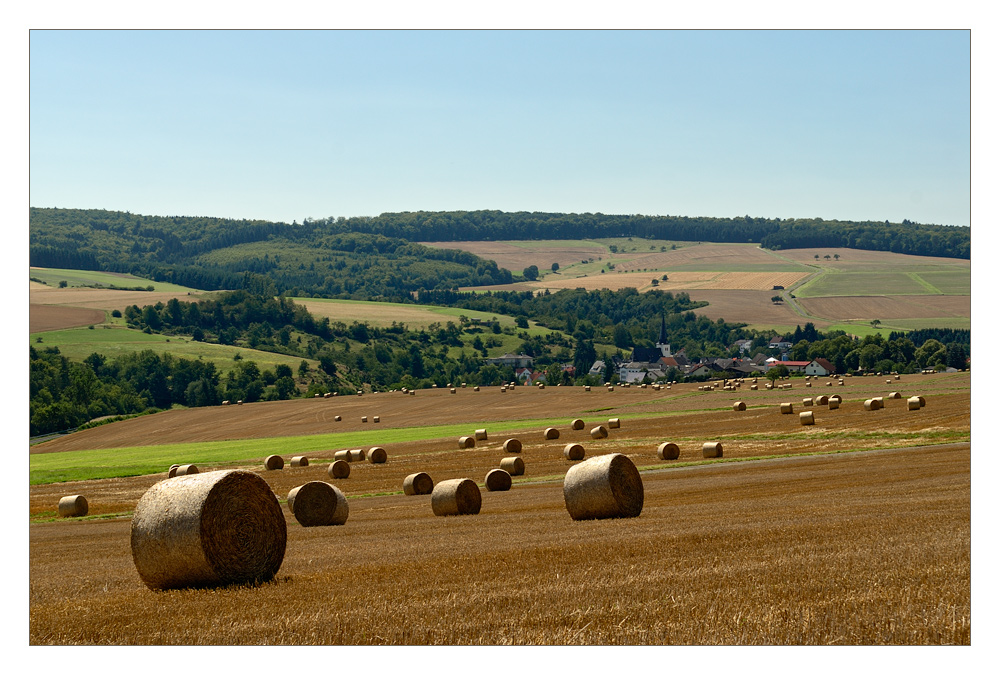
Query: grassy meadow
112, 340
90, 278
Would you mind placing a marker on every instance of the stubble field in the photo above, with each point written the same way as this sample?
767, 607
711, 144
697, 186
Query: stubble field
853, 531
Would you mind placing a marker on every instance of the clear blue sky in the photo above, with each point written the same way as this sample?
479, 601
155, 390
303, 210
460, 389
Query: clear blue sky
286, 125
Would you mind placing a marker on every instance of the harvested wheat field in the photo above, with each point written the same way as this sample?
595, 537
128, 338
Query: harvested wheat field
516, 257
860, 308
853, 531
101, 298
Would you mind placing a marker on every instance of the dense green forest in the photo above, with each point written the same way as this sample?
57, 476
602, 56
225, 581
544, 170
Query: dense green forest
379, 257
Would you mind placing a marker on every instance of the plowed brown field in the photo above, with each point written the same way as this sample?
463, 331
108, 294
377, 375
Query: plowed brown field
868, 547
54, 317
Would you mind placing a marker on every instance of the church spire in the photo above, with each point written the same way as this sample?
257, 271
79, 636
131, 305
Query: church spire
663, 330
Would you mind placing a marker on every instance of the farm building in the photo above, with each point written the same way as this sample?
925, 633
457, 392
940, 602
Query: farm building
820, 367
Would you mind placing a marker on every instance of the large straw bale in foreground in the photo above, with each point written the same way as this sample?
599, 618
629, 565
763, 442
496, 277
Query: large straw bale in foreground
668, 451
73, 506
606, 486
418, 484
512, 445
498, 480
317, 504
456, 497
215, 528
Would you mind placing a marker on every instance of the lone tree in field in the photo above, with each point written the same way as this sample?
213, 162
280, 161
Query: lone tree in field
776, 299
876, 323
555, 267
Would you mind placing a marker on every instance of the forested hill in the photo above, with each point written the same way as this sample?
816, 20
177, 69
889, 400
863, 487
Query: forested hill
379, 257
905, 237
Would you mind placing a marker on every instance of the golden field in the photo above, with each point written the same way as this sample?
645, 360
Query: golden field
855, 531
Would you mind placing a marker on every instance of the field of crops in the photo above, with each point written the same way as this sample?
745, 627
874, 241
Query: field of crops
854, 531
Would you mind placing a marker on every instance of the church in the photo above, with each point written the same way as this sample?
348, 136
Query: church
651, 361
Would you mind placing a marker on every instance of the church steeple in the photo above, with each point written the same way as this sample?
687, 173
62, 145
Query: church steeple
661, 342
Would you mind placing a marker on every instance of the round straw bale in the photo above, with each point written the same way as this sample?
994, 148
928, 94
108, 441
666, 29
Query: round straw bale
578, 424
364, 419
481, 434
413, 392
418, 484
452, 390
512, 445
598, 432
873, 404
711, 449
807, 401
614, 423
787, 409
923, 402
317, 504
466, 442
513, 465
73, 506
753, 387
376, 455
215, 528
809, 384
894, 394
888, 381
573, 452
300, 461
456, 497
881, 401
342, 455
837, 397
339, 469
541, 385
739, 405
551, 433
821, 400
498, 480
806, 418
272, 463
668, 451
606, 486
358, 455
611, 388
586, 387
833, 403
376, 419
173, 470
476, 388
336, 418
913, 403
186, 470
